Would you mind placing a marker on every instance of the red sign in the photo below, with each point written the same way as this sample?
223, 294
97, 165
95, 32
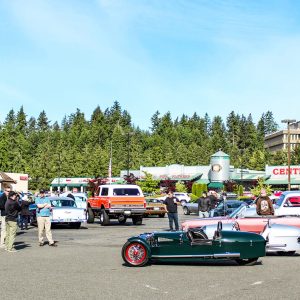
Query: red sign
24, 177
285, 171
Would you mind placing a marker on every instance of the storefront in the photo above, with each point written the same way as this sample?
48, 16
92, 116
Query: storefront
16, 181
73, 184
278, 176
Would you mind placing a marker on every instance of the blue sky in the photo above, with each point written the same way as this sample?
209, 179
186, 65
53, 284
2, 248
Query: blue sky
182, 56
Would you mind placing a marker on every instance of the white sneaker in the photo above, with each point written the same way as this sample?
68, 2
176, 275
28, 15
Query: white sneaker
12, 250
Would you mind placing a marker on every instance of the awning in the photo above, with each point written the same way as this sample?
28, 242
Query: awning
282, 181
205, 181
5, 178
56, 184
216, 185
246, 177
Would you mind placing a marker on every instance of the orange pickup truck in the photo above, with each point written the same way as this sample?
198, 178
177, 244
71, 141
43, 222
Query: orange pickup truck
117, 201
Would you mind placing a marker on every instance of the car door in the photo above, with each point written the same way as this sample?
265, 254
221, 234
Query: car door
290, 206
255, 225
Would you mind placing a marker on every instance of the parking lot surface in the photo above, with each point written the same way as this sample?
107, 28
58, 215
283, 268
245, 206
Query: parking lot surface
87, 264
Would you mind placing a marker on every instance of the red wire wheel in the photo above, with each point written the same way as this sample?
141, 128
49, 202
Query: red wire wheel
135, 254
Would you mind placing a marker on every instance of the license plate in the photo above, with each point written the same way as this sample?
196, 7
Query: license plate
156, 208
127, 212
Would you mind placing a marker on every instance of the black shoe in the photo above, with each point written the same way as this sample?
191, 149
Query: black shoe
53, 245
41, 244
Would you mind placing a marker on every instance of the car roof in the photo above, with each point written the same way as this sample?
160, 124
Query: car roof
291, 192
53, 198
120, 186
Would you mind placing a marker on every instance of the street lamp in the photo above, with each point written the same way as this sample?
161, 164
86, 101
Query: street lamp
288, 122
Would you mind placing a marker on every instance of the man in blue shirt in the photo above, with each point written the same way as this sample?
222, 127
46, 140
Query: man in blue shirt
43, 213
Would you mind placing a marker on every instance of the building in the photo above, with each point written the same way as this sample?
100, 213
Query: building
279, 140
16, 181
278, 176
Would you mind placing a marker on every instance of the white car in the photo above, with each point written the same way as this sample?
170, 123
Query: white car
281, 239
65, 211
182, 197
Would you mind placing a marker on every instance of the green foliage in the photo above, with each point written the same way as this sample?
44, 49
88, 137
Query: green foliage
80, 146
180, 187
148, 184
261, 185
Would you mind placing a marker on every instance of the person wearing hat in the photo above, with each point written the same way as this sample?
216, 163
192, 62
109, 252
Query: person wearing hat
12, 209
43, 213
264, 206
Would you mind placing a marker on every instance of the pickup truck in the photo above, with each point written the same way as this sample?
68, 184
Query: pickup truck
117, 201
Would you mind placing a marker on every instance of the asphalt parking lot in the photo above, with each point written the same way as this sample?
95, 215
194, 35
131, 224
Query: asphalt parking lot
87, 264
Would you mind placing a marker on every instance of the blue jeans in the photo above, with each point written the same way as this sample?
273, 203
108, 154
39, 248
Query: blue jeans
173, 217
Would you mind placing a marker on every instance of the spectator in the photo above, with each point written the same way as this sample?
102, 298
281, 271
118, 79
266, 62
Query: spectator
3, 199
25, 213
264, 206
204, 206
171, 207
43, 213
213, 199
12, 209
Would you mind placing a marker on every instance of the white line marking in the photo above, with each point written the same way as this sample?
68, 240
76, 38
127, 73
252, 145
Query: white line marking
257, 282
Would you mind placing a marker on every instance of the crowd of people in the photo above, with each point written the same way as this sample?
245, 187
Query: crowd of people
14, 212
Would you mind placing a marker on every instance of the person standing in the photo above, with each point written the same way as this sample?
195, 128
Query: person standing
264, 205
171, 207
3, 199
12, 208
25, 213
43, 213
204, 206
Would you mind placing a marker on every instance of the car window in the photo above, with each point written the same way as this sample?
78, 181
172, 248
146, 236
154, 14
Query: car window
79, 198
293, 201
104, 191
126, 192
63, 203
280, 200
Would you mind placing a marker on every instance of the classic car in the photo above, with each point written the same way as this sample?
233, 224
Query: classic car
155, 207
247, 220
193, 245
80, 198
282, 239
65, 211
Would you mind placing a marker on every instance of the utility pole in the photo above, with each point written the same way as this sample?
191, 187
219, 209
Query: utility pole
289, 121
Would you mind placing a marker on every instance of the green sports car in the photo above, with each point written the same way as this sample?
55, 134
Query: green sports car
193, 245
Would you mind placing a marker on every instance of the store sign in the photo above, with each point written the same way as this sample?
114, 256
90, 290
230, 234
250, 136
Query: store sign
282, 171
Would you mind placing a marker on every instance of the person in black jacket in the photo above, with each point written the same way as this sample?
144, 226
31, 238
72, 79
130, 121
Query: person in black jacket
171, 207
12, 209
25, 213
3, 199
204, 206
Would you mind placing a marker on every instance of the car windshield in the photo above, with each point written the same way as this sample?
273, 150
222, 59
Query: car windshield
63, 203
229, 204
238, 211
126, 192
79, 198
280, 200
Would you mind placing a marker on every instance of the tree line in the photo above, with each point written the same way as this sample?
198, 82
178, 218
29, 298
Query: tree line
81, 147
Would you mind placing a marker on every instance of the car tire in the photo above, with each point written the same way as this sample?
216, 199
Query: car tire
186, 211
104, 218
90, 217
137, 220
162, 215
135, 254
286, 253
75, 225
247, 262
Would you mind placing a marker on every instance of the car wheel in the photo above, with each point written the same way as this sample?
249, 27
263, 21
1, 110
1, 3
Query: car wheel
287, 253
104, 218
135, 254
137, 220
247, 262
90, 217
75, 225
162, 215
186, 211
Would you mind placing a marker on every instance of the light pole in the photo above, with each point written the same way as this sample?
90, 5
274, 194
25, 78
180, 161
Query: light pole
128, 151
289, 121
